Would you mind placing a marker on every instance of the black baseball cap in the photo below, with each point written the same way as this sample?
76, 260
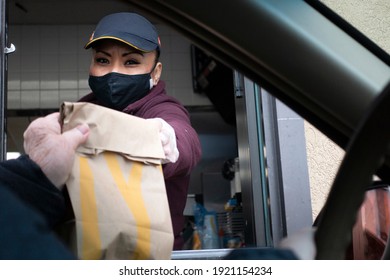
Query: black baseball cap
129, 28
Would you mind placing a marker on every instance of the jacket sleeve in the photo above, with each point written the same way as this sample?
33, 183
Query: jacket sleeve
24, 234
187, 142
25, 179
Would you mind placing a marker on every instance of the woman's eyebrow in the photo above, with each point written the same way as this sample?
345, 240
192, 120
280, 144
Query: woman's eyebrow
104, 52
123, 54
133, 52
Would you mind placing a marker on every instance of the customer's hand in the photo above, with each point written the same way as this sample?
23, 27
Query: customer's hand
52, 151
168, 141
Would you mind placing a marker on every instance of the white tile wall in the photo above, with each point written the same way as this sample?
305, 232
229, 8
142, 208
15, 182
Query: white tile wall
50, 65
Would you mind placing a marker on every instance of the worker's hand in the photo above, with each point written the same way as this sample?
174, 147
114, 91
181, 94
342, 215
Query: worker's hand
52, 151
168, 141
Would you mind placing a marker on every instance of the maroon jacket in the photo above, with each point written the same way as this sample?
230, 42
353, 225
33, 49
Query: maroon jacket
157, 104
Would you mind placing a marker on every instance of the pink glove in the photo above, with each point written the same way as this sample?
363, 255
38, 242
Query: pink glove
52, 151
168, 141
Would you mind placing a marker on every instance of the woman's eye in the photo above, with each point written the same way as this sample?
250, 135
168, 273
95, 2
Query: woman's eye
102, 60
131, 62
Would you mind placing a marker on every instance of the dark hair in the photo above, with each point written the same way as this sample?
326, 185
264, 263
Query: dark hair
157, 54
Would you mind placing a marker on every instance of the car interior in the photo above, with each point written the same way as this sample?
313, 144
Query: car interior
269, 54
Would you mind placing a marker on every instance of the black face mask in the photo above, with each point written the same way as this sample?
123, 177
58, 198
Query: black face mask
117, 91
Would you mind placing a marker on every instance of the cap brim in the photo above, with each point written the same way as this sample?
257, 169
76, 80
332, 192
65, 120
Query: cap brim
144, 46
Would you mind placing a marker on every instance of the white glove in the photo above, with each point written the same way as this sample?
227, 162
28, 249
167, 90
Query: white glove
301, 243
168, 141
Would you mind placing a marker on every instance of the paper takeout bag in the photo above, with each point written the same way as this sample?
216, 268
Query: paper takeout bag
116, 186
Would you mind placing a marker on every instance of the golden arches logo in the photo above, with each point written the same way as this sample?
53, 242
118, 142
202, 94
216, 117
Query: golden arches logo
131, 192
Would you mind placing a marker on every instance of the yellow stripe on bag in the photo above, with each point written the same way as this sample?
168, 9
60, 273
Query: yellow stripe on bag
132, 194
91, 244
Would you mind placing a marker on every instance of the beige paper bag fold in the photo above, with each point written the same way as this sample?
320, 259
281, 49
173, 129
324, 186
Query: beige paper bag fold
114, 131
117, 186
